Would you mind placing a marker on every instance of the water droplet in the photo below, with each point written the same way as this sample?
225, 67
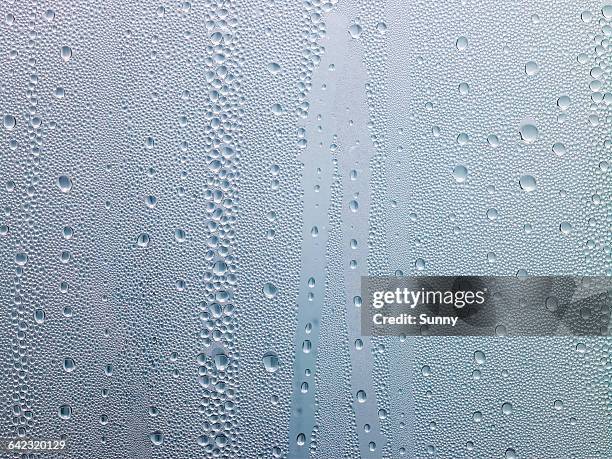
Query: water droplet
150, 201
69, 364
463, 139
460, 173
529, 133
9, 122
180, 235
355, 30
21, 258
274, 68
39, 316
65, 411
157, 438
551, 303
558, 149
500, 330
493, 140
269, 290
531, 68
66, 53
565, 228
67, 232
271, 362
143, 240
528, 183
461, 43
563, 102
419, 264
64, 183
221, 361
220, 268
203, 440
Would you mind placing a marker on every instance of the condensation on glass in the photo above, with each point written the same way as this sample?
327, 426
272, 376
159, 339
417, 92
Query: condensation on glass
193, 190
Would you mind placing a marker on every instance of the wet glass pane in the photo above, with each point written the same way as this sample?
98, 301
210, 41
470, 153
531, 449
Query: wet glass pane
192, 191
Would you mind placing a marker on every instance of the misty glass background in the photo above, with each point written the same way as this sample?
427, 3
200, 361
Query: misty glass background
192, 190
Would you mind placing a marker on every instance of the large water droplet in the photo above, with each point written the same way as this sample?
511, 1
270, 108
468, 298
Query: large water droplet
64, 183
269, 290
528, 183
21, 258
66, 53
271, 362
461, 43
65, 411
9, 122
143, 240
531, 68
355, 30
157, 438
69, 364
460, 173
529, 133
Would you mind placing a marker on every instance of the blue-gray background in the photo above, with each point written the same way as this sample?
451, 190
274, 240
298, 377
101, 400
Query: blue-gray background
192, 190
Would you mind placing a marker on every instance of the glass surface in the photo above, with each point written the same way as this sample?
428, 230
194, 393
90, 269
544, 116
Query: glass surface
192, 191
